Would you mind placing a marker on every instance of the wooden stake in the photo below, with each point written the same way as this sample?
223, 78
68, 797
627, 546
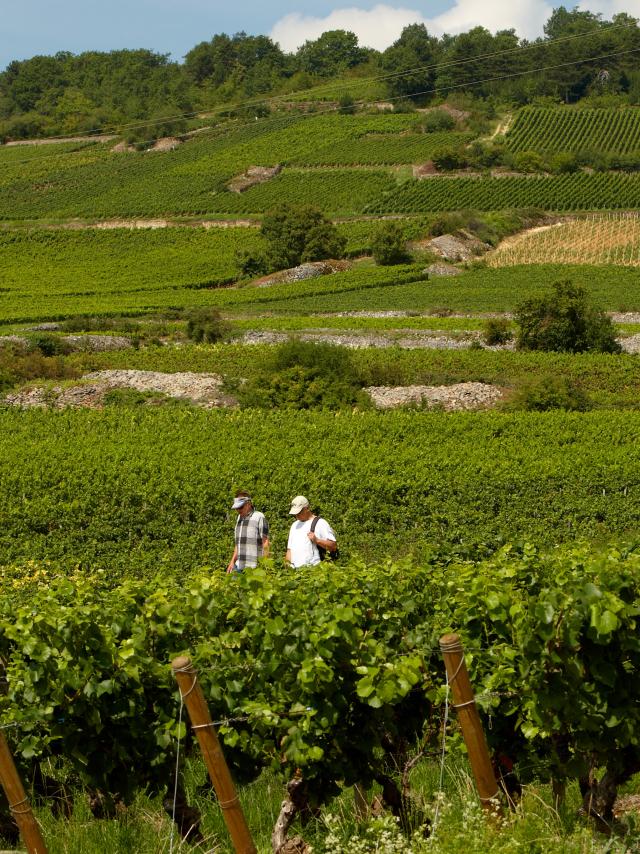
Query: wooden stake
465, 705
191, 692
18, 801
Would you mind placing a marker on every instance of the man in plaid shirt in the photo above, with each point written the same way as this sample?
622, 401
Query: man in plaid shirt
251, 534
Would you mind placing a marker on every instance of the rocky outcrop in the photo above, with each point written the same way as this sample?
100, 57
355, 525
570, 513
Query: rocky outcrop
254, 175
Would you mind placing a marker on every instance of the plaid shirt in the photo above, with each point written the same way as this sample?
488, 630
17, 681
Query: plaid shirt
249, 533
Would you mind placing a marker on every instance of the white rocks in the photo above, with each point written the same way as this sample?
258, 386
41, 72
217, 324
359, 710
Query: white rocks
443, 269
98, 343
202, 389
407, 339
472, 395
461, 246
630, 344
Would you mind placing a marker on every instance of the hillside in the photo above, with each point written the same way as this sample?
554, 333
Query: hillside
174, 329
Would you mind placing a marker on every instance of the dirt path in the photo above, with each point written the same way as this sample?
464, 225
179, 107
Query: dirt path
503, 126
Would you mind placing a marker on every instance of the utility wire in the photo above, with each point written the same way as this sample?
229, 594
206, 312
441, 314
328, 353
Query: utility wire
117, 129
289, 119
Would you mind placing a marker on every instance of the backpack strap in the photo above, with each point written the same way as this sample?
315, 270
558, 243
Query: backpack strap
315, 521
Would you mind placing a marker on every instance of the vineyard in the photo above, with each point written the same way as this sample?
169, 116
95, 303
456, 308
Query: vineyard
608, 131
603, 239
580, 191
344, 192
90, 181
143, 490
331, 686
515, 525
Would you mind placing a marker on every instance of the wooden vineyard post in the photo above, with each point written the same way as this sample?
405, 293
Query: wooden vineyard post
465, 705
191, 693
18, 801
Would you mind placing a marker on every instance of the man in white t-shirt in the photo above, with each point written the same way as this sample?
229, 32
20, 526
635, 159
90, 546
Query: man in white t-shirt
304, 545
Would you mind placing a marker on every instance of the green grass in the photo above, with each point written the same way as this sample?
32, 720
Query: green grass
536, 825
480, 289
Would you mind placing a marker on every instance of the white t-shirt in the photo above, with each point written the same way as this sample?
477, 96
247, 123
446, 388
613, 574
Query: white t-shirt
303, 551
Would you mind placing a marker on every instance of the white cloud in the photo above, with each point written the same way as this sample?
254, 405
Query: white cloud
527, 18
377, 27
380, 26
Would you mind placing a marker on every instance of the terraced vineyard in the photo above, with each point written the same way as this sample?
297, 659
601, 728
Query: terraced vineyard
548, 129
344, 192
115, 511
605, 239
579, 191
80, 180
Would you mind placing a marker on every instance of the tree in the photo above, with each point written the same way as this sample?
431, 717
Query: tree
411, 63
564, 320
297, 233
388, 244
331, 54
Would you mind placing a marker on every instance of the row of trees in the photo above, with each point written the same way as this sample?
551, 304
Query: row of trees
69, 93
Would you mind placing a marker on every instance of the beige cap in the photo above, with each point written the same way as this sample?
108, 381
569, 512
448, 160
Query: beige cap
298, 504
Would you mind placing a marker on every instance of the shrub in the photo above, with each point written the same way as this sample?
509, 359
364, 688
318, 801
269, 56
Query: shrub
388, 244
497, 331
447, 159
564, 163
564, 320
251, 264
528, 161
206, 325
297, 233
447, 223
438, 120
305, 375
49, 345
346, 105
550, 392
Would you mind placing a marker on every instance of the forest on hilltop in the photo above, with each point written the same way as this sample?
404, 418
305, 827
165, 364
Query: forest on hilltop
582, 54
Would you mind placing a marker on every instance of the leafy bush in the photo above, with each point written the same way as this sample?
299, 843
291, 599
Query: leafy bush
346, 105
388, 245
297, 233
497, 331
206, 325
564, 320
251, 264
448, 159
438, 120
49, 345
132, 398
304, 375
550, 392
564, 163
528, 161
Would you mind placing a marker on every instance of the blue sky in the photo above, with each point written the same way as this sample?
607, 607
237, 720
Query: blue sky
29, 27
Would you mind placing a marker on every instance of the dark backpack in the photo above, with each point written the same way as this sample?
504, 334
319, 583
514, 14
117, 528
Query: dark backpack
333, 555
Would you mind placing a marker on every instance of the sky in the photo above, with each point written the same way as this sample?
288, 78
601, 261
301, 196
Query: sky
30, 27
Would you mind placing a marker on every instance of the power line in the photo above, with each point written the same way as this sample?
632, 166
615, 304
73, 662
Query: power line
332, 109
116, 129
